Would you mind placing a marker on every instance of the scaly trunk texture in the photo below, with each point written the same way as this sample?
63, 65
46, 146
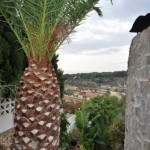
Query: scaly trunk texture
37, 109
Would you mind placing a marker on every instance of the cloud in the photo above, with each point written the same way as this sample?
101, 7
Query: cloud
124, 9
106, 51
96, 40
98, 34
95, 63
106, 25
102, 43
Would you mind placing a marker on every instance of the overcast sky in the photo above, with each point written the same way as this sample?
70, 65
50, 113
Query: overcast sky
102, 44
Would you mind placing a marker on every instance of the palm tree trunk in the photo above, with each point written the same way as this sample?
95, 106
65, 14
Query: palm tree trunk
37, 109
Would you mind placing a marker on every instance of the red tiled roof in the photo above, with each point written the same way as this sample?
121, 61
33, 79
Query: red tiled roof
88, 94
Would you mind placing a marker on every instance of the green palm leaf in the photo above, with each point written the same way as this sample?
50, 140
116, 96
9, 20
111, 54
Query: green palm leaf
41, 26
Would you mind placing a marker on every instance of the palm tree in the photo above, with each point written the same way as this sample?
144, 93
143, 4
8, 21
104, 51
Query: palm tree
41, 26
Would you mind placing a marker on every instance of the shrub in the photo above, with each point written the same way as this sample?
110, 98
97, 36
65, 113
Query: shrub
64, 136
117, 134
100, 124
86, 132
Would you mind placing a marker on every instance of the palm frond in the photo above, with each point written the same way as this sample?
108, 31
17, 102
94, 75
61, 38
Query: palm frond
111, 2
97, 9
41, 26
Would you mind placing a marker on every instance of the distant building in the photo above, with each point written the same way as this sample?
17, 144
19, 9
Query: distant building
69, 87
87, 95
72, 103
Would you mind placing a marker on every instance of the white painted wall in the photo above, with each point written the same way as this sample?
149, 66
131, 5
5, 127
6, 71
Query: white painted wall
6, 122
71, 120
6, 115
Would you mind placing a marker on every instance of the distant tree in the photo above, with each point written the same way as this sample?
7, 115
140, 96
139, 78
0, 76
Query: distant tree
69, 92
93, 75
120, 73
107, 92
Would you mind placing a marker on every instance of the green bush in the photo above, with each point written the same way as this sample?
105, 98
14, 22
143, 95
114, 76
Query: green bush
7, 90
64, 136
68, 92
86, 133
99, 124
117, 134
103, 110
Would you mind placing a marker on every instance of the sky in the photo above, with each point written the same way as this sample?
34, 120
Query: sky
101, 44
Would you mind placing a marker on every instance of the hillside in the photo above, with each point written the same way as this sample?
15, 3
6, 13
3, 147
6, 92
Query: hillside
92, 80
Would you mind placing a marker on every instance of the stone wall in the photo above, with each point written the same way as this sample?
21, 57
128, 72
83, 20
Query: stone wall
6, 139
138, 94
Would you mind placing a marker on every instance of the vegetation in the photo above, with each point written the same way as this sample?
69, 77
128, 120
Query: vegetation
87, 131
93, 80
59, 74
117, 134
69, 92
12, 58
7, 90
97, 121
41, 27
103, 109
12, 61
96, 75
64, 135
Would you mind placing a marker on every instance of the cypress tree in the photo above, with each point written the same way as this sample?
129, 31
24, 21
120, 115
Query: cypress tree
12, 58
